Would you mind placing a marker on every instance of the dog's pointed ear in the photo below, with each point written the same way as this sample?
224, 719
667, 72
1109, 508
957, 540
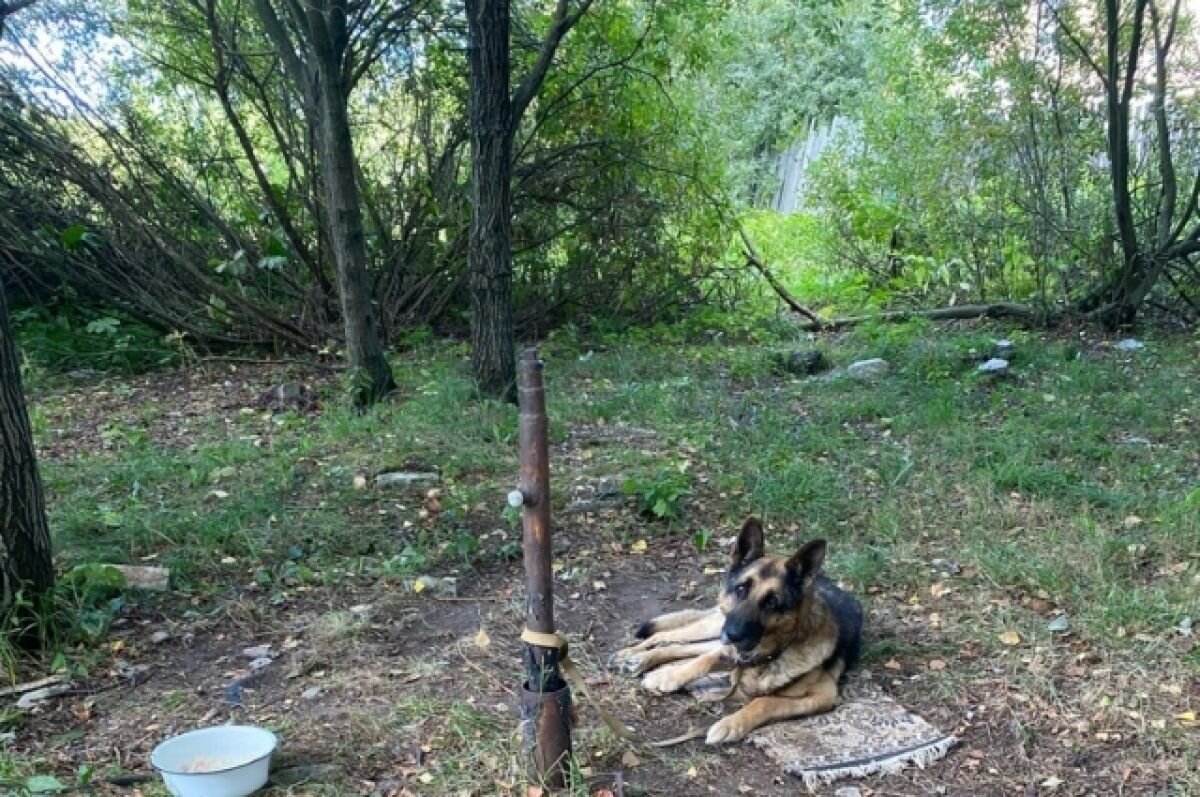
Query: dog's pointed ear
806, 562
749, 545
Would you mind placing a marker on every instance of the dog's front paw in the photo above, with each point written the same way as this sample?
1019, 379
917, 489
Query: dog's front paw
664, 680
631, 660
726, 730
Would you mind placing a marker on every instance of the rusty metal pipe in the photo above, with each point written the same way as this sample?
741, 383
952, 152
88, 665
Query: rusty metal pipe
547, 699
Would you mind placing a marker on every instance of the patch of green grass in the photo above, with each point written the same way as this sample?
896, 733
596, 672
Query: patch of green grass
469, 749
1030, 481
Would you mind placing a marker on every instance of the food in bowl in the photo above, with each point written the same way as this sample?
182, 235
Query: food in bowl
198, 765
222, 761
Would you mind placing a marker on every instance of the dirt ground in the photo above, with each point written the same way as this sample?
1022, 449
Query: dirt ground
411, 694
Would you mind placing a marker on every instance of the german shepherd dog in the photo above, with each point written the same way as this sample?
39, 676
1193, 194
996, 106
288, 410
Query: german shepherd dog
785, 631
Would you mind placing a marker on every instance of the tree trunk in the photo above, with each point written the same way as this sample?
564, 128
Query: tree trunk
25, 560
364, 351
493, 343
313, 53
1118, 96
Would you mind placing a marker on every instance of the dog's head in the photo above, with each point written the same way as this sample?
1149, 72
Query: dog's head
765, 598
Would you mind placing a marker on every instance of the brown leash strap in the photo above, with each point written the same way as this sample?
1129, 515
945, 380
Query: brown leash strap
559, 642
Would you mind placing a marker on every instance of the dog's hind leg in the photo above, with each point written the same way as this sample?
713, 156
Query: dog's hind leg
674, 620
815, 693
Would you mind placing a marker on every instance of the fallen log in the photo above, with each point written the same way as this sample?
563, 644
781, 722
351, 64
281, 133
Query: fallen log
816, 323
961, 311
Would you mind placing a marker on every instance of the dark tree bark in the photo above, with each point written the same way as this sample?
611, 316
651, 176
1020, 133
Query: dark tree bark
26, 561
25, 556
493, 345
315, 48
364, 349
494, 120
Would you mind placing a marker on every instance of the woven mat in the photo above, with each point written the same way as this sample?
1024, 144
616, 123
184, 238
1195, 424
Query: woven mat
868, 733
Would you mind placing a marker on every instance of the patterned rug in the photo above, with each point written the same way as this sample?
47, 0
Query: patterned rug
868, 733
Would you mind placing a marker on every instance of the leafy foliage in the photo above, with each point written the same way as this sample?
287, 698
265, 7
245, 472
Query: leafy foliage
661, 495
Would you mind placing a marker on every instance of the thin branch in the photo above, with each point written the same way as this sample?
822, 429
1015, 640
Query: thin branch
561, 24
1166, 164
1189, 209
283, 42
1135, 49
754, 260
1078, 45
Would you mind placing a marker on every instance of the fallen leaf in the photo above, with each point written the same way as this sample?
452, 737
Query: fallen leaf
1052, 782
602, 793
360, 482
482, 640
1187, 719
535, 791
891, 664
599, 586
1010, 638
937, 664
692, 772
425, 778
630, 759
938, 589
418, 586
638, 547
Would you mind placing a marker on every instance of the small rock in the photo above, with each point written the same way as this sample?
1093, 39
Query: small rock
1130, 344
310, 693
868, 370
408, 479
946, 566
257, 652
289, 392
305, 773
154, 579
996, 366
287, 396
131, 672
39, 696
833, 376
803, 363
1059, 625
847, 791
1185, 627
159, 637
260, 664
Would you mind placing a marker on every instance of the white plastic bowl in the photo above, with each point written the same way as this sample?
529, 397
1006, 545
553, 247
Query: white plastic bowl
225, 761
